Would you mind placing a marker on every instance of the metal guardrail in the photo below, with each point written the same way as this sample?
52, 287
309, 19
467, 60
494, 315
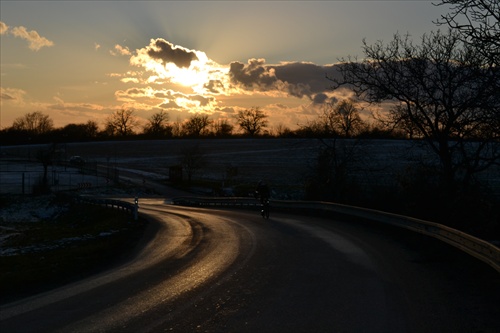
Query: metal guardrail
476, 247
112, 203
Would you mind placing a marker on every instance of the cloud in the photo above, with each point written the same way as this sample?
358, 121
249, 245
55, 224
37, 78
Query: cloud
166, 99
120, 50
320, 98
204, 101
297, 79
130, 79
36, 42
166, 52
214, 86
3, 28
12, 95
132, 94
169, 104
79, 107
252, 75
176, 65
178, 71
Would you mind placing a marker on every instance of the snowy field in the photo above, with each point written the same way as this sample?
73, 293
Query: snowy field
284, 163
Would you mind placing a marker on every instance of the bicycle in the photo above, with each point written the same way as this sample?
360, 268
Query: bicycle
265, 209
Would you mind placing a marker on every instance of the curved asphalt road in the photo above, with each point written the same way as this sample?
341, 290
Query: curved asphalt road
231, 271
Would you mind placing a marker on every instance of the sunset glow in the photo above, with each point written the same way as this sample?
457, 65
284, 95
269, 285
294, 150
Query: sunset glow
80, 61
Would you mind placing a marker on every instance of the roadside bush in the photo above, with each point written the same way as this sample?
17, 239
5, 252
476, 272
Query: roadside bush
471, 209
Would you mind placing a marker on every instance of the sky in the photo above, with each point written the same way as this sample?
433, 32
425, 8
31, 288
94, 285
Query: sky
83, 60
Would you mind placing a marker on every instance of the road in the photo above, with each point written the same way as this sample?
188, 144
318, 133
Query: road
223, 270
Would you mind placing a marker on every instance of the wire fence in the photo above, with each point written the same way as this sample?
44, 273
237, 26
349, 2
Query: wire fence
28, 177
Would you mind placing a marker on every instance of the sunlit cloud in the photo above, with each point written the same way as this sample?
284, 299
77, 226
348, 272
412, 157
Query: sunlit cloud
60, 104
132, 94
120, 50
130, 79
12, 95
178, 65
181, 80
167, 99
172, 64
36, 42
3, 28
97, 46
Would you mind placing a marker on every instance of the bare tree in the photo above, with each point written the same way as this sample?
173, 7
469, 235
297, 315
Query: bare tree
252, 121
281, 130
342, 118
477, 22
339, 119
87, 130
158, 125
35, 123
177, 128
91, 129
442, 89
196, 125
222, 128
121, 123
192, 161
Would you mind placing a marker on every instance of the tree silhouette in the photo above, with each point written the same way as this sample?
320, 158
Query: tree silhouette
35, 123
192, 161
444, 90
196, 125
222, 128
88, 130
252, 121
121, 123
342, 118
477, 23
158, 125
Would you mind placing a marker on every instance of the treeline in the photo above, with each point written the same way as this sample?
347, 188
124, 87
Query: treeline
340, 119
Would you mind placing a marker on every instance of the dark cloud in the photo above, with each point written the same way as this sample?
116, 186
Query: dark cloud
254, 74
319, 98
297, 79
214, 86
304, 79
204, 101
135, 91
169, 104
167, 52
163, 94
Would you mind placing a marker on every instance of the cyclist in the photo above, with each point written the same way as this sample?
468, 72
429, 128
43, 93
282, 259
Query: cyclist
263, 193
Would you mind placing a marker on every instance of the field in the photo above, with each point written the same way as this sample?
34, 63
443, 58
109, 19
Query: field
286, 164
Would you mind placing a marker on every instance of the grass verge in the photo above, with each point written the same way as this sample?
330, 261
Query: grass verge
83, 241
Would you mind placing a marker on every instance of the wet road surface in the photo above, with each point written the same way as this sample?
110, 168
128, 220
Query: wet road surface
222, 270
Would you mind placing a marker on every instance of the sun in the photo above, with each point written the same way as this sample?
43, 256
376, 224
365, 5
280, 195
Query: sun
175, 65
193, 76
197, 75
